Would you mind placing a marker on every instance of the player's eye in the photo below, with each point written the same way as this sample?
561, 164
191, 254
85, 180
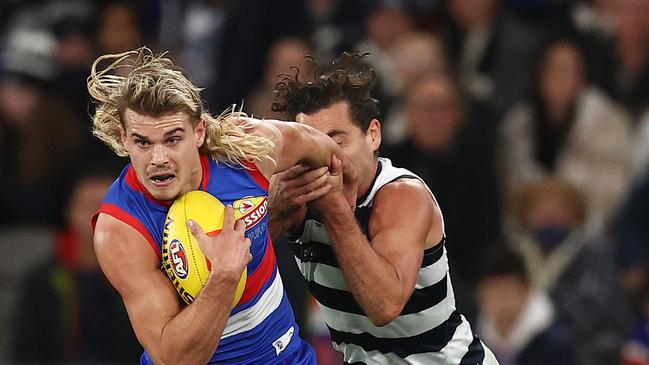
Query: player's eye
141, 143
173, 140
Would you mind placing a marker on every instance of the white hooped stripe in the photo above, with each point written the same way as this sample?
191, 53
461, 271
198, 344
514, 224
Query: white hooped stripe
250, 318
332, 277
407, 325
451, 354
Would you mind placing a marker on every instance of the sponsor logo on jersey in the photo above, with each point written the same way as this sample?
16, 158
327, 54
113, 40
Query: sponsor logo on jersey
179, 262
281, 343
251, 210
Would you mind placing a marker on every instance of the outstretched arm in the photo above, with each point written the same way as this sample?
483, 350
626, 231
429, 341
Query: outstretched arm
297, 143
309, 149
170, 333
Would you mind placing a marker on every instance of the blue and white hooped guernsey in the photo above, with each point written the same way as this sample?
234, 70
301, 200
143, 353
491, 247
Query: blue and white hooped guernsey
261, 328
428, 331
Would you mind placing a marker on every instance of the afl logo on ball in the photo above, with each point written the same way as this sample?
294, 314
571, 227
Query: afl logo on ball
178, 257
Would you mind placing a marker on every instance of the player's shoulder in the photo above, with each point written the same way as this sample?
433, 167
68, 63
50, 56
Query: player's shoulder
115, 232
402, 189
119, 244
404, 202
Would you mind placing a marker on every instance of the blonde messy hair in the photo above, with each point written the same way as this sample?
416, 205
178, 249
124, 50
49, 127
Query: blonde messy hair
155, 86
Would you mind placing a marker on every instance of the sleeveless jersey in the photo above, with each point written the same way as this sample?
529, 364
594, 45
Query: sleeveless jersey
429, 330
261, 328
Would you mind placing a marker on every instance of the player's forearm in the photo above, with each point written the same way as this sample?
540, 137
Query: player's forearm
371, 279
311, 147
194, 334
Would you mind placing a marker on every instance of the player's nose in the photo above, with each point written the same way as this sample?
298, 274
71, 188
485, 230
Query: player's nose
160, 156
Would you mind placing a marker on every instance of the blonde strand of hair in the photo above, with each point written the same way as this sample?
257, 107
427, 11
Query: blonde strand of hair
227, 137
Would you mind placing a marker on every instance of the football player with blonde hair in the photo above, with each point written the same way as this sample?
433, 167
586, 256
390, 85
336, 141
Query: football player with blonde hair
148, 110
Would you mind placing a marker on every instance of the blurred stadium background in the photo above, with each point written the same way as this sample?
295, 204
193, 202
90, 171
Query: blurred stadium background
528, 119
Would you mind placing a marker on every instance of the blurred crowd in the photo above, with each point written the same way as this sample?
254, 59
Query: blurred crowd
528, 119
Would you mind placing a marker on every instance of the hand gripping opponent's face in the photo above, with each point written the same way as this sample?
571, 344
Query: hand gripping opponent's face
164, 152
358, 145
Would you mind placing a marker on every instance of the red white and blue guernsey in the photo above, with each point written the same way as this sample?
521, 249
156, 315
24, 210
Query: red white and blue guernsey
261, 328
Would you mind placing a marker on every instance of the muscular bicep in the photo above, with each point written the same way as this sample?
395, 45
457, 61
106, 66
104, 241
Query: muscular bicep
132, 267
294, 143
403, 224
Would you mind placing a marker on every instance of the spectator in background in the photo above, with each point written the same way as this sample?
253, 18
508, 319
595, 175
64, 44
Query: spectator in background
577, 269
68, 312
39, 134
386, 25
516, 320
636, 349
592, 22
493, 51
283, 54
451, 148
337, 26
194, 29
74, 53
633, 235
416, 55
571, 129
631, 77
250, 28
74, 27
120, 27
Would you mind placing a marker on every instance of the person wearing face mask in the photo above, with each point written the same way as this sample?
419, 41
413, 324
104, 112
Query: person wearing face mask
576, 268
567, 127
515, 319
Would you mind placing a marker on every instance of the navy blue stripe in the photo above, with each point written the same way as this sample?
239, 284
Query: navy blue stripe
379, 168
433, 254
319, 252
475, 354
344, 301
433, 340
363, 215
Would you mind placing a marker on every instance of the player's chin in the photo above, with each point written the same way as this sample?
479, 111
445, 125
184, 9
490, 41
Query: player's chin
164, 192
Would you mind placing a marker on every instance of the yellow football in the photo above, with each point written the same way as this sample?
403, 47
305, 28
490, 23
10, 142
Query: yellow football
182, 258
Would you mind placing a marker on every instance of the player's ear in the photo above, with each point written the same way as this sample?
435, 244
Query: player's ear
122, 136
200, 131
373, 134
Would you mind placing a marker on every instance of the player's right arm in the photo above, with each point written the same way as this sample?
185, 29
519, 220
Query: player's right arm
170, 333
289, 193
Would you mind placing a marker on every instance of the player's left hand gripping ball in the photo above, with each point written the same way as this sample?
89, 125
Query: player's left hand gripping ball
183, 260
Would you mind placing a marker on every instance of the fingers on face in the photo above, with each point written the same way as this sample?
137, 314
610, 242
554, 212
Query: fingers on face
336, 165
